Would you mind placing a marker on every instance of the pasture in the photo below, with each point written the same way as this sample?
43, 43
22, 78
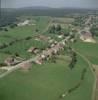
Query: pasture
47, 82
90, 50
20, 33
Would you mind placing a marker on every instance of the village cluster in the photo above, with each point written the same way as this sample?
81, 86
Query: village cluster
84, 34
45, 50
40, 57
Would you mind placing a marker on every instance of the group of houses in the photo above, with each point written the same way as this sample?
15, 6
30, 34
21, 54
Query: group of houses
49, 52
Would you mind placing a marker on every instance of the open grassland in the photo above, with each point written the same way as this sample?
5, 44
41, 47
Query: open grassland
90, 50
47, 82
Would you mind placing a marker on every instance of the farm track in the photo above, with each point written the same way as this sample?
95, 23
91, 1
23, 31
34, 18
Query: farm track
15, 67
45, 30
96, 91
91, 68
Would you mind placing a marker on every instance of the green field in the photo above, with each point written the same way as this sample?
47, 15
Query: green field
22, 32
90, 50
47, 82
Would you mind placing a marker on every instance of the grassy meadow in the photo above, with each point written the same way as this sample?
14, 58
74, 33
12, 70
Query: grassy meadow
47, 82
90, 50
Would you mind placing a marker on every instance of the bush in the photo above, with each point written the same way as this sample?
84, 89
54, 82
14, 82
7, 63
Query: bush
5, 29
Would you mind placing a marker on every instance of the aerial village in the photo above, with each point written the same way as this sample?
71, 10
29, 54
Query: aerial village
35, 45
55, 47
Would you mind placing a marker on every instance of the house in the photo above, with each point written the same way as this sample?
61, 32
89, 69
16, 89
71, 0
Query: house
61, 46
55, 50
51, 40
45, 54
60, 36
39, 60
12, 61
33, 50
52, 45
9, 61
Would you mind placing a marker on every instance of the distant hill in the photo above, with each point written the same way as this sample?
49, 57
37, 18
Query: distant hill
47, 8
36, 7
10, 14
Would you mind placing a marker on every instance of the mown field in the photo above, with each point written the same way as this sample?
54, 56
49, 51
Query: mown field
47, 82
90, 50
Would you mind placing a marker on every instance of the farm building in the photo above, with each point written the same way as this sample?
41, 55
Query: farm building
9, 61
26, 22
12, 60
86, 36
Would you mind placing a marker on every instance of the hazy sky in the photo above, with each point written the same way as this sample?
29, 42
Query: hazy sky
50, 3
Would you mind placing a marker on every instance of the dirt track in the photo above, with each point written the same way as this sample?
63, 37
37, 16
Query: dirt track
91, 68
96, 90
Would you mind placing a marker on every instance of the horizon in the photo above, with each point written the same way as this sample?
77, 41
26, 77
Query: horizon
84, 4
47, 7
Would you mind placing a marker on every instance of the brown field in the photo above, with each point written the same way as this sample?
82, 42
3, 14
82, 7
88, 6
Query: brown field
63, 20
